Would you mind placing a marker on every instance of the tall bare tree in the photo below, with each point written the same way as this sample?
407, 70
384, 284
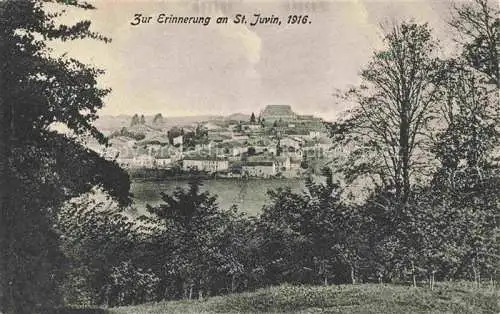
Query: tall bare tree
394, 105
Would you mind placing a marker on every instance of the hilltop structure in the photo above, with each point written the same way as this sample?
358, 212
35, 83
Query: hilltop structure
285, 114
278, 112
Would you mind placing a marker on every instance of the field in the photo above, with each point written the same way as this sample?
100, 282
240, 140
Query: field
366, 298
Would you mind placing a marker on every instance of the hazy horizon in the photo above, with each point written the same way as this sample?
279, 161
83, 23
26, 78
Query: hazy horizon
192, 70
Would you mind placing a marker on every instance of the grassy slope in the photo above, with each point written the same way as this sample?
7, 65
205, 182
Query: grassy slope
366, 298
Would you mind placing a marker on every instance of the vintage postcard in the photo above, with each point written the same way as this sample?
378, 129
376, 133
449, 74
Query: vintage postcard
249, 156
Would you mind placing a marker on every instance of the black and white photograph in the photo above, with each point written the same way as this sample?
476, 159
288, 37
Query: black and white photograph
249, 156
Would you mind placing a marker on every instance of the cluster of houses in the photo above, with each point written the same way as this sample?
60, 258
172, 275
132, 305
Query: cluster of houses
275, 144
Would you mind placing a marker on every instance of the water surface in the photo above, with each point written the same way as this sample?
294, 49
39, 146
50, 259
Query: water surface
248, 195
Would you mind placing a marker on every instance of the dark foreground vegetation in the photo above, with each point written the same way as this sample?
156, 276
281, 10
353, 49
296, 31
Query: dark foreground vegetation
424, 141
188, 248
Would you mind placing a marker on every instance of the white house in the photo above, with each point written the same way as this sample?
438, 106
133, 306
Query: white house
259, 169
240, 137
314, 134
254, 127
143, 161
209, 164
291, 142
177, 140
282, 162
162, 162
295, 163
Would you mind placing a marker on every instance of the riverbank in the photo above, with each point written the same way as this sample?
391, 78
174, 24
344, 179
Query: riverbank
156, 175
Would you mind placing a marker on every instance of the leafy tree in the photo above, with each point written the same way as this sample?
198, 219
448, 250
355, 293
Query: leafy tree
251, 151
448, 228
142, 120
201, 133
135, 120
304, 164
97, 240
194, 246
467, 143
310, 237
41, 168
130, 285
477, 23
252, 118
283, 246
467, 179
158, 119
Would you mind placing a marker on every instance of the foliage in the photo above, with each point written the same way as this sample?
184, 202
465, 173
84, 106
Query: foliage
98, 242
193, 246
252, 118
131, 285
439, 117
477, 24
394, 106
125, 132
41, 168
158, 119
135, 120
310, 237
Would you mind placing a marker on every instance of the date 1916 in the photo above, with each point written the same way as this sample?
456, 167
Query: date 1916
298, 19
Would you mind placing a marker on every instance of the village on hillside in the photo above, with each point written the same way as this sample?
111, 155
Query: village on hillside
276, 142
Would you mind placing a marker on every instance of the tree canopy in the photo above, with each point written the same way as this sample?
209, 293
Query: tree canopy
40, 168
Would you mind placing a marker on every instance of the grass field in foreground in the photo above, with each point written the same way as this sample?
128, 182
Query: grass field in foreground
364, 298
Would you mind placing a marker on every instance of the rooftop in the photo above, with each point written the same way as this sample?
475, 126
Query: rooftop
278, 110
204, 158
259, 163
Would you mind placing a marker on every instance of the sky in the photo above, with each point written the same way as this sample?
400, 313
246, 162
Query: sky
220, 69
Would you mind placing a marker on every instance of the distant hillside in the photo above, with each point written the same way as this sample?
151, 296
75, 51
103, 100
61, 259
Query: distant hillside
109, 123
364, 298
113, 123
238, 117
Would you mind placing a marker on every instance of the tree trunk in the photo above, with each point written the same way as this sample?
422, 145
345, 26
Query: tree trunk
233, 283
404, 150
413, 274
353, 277
478, 278
190, 292
474, 270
